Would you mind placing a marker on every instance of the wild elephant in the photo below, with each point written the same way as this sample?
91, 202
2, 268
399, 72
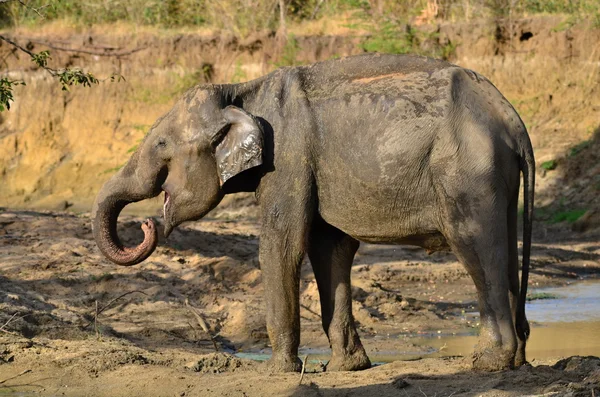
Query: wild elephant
374, 148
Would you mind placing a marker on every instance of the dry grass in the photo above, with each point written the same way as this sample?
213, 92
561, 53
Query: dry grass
341, 24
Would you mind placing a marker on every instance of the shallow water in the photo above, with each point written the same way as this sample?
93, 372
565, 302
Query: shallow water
575, 302
566, 326
558, 339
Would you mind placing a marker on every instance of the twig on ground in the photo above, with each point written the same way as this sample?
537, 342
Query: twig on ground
97, 311
96, 320
10, 320
16, 376
8, 332
201, 322
303, 369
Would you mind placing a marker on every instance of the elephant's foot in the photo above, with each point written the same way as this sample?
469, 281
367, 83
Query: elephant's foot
349, 362
493, 359
520, 356
279, 363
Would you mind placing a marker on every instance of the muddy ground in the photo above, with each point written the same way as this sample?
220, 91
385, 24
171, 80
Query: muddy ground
73, 324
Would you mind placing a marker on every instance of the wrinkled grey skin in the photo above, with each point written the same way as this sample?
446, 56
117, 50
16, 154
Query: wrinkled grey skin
375, 148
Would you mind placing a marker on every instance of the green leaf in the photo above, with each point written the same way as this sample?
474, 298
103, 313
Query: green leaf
6, 92
71, 77
41, 59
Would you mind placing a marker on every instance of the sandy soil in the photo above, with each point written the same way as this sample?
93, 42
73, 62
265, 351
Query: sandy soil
81, 326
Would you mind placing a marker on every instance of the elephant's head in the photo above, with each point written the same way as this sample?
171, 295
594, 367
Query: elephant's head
193, 153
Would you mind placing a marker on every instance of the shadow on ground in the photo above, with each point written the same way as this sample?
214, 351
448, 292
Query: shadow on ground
575, 375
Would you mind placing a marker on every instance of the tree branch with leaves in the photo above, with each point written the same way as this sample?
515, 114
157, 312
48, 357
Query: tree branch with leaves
67, 77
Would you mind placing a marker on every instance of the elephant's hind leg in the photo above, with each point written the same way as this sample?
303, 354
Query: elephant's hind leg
480, 241
331, 253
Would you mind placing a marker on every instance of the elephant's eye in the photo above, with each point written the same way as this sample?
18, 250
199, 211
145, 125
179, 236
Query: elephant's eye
161, 143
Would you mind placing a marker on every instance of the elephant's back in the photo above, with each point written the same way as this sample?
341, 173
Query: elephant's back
329, 73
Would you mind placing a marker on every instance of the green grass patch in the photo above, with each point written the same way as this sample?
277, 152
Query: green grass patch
537, 296
549, 165
575, 150
567, 216
141, 127
112, 170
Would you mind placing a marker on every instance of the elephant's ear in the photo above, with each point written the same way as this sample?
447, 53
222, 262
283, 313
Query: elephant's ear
241, 147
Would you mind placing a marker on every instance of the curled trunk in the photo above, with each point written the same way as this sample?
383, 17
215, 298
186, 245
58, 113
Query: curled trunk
104, 226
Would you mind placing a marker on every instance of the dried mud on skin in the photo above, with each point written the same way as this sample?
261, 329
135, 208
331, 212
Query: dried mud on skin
150, 343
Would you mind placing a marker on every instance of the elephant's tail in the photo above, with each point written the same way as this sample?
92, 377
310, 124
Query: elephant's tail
528, 168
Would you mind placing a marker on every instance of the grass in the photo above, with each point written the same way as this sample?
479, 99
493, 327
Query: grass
575, 150
569, 216
395, 37
239, 74
536, 296
289, 53
549, 165
112, 170
176, 84
234, 15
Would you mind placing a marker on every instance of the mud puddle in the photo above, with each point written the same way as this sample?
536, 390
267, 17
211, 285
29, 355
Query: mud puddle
565, 321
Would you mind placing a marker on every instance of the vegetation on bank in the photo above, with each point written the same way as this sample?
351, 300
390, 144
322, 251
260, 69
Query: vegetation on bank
245, 16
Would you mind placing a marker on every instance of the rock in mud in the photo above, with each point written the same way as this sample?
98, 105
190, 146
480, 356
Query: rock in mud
579, 364
216, 363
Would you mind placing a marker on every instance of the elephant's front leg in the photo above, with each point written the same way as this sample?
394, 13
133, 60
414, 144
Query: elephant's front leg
331, 253
282, 242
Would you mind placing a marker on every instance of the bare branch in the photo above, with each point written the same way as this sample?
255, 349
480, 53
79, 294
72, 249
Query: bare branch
14, 44
303, 369
106, 53
17, 375
10, 320
201, 322
36, 10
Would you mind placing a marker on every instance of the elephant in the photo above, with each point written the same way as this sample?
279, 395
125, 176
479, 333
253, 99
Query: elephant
393, 149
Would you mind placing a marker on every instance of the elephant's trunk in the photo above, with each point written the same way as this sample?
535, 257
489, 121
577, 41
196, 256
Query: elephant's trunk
105, 233
120, 190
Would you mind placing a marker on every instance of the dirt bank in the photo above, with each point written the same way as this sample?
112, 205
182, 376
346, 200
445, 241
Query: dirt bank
57, 148
53, 281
